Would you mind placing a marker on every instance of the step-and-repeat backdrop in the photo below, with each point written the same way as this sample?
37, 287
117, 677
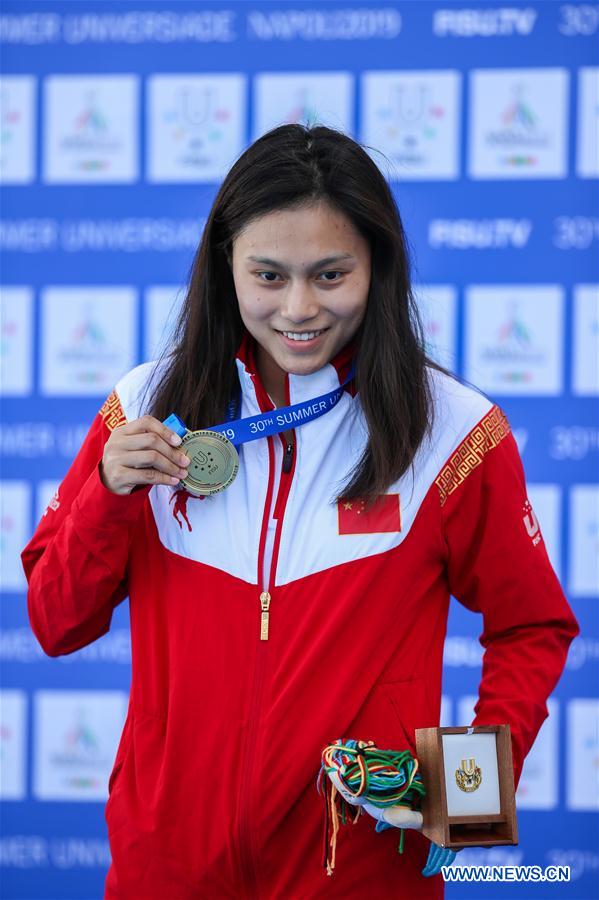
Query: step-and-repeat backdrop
119, 119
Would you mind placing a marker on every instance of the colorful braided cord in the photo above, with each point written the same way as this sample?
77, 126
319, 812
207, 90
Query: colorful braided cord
381, 777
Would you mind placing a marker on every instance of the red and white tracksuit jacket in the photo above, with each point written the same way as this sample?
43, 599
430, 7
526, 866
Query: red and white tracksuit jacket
213, 791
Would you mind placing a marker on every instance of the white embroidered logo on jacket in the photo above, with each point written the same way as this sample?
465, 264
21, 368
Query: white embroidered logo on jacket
531, 523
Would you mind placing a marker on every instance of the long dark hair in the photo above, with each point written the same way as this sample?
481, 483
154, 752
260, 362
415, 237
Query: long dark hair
290, 166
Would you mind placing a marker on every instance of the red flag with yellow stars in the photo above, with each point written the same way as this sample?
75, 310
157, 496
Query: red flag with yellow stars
383, 515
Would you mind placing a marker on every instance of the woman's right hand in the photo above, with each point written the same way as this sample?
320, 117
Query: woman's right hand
143, 451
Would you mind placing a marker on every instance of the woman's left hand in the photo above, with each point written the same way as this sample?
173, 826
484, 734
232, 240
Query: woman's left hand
398, 817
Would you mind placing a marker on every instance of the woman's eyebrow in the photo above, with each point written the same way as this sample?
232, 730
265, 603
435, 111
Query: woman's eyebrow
327, 261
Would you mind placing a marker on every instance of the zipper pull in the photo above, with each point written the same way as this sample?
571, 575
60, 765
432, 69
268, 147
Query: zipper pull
287, 459
264, 603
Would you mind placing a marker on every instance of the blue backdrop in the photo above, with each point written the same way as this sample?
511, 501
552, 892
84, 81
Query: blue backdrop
118, 122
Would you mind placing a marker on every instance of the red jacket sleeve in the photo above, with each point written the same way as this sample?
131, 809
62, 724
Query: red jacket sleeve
76, 561
498, 565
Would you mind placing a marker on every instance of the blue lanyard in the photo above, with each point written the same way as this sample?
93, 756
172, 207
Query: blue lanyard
240, 431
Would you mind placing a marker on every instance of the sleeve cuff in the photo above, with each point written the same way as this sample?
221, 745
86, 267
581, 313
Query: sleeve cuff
103, 509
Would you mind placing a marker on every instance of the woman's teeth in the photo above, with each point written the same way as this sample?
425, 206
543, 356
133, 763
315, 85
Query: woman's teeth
302, 335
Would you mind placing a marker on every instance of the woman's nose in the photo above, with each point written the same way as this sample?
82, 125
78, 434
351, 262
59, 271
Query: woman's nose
299, 303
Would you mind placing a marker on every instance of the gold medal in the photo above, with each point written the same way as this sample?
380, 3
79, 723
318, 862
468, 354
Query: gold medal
214, 462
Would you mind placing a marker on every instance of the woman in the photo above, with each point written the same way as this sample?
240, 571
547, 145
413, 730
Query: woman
308, 600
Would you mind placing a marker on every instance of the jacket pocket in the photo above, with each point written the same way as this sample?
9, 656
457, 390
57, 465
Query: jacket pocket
122, 751
408, 704
391, 712
136, 784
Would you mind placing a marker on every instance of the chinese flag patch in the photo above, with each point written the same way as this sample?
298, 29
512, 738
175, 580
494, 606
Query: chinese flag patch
383, 515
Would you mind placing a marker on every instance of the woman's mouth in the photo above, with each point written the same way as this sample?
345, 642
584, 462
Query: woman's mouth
301, 339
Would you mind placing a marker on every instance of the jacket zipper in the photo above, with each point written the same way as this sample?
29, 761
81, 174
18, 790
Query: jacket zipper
245, 837
265, 597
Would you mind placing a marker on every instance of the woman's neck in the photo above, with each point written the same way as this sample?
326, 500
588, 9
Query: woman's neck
272, 376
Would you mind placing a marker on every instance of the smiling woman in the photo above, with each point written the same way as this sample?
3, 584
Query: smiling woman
301, 318
306, 600
304, 252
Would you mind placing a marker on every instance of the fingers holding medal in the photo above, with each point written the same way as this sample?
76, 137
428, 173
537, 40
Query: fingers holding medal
213, 462
142, 452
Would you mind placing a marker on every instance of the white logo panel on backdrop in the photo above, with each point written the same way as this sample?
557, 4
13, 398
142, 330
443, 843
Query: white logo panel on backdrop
88, 338
323, 97
414, 119
196, 125
17, 114
16, 341
587, 123
514, 338
518, 121
76, 736
162, 304
15, 528
437, 305
583, 755
539, 782
90, 133
545, 515
13, 745
585, 348
445, 718
584, 540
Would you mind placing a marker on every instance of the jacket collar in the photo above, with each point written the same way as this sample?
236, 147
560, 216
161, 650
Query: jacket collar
298, 387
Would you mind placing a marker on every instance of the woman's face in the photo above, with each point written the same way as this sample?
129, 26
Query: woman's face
302, 278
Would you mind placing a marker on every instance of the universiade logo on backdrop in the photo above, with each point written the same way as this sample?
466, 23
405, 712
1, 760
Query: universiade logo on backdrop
518, 123
583, 746
587, 125
283, 97
162, 304
195, 125
88, 338
413, 118
583, 573
16, 341
585, 353
90, 129
13, 743
514, 338
17, 112
437, 306
76, 735
15, 529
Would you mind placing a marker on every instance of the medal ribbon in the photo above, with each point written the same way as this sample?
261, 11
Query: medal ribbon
240, 431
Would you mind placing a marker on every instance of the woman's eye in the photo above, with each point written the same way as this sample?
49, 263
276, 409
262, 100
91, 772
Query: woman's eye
266, 273
332, 273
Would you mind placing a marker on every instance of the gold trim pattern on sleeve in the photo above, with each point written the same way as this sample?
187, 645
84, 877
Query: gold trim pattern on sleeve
491, 429
112, 412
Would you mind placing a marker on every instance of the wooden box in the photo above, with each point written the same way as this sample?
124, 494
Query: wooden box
455, 764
